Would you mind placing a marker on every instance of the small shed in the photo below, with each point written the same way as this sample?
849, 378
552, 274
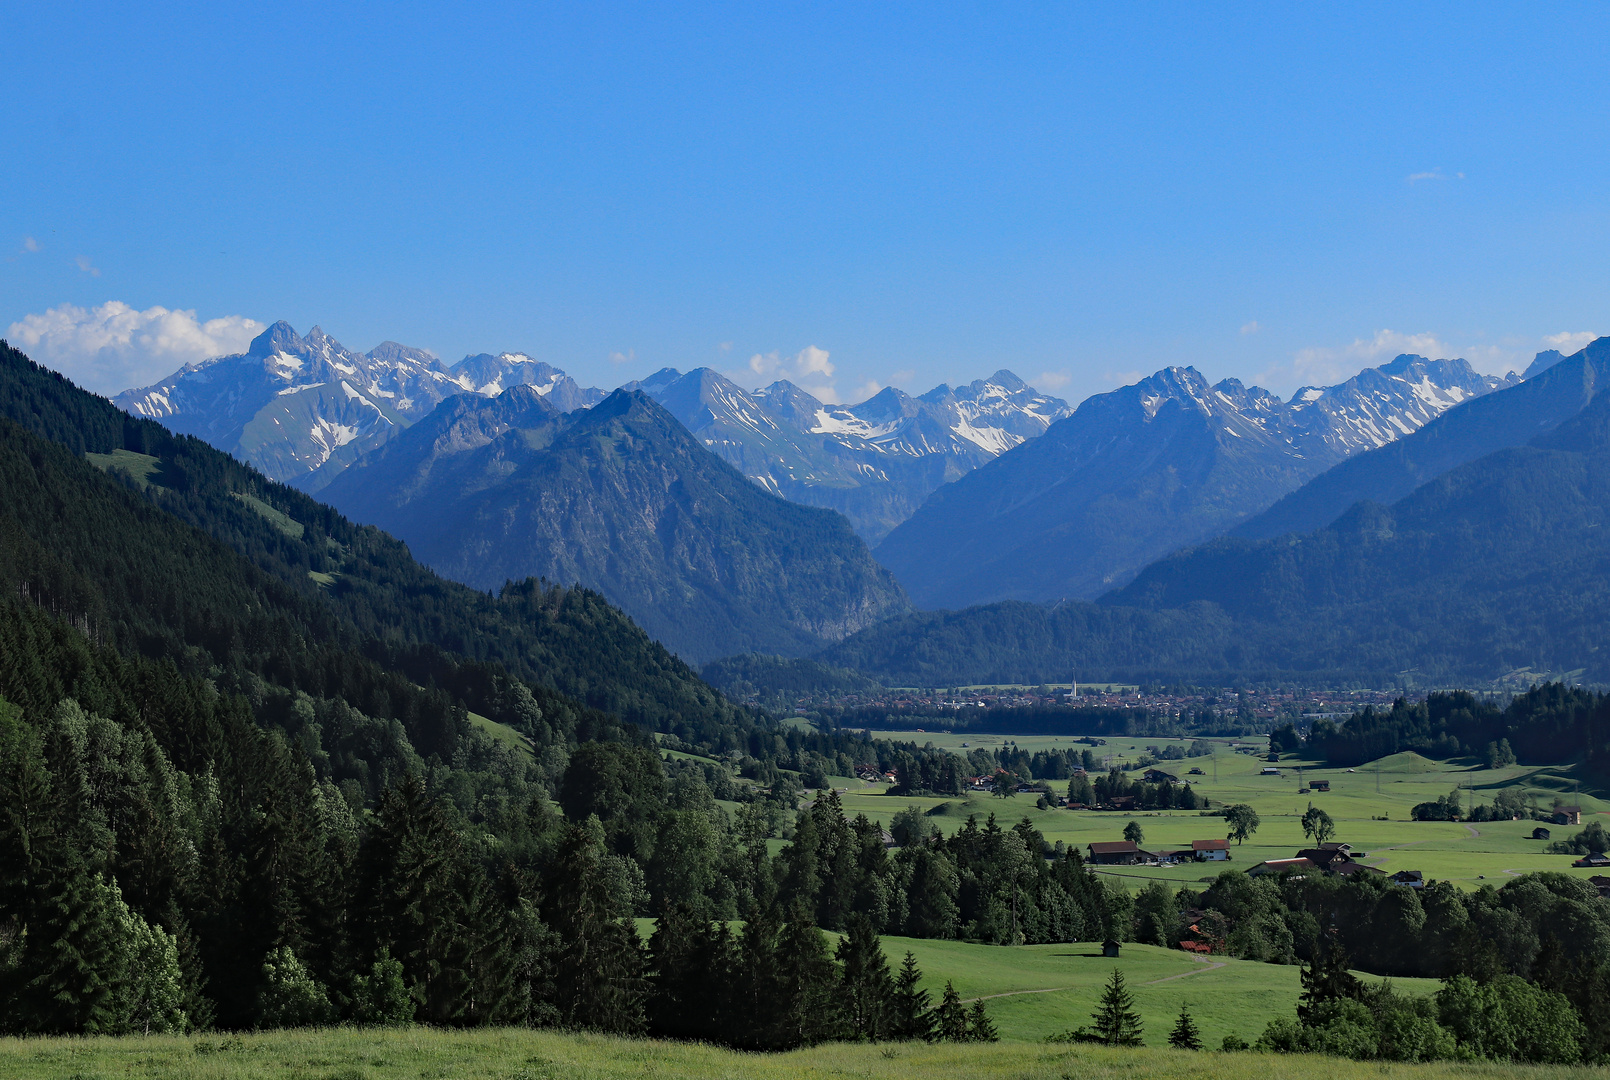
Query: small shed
1109, 948
1540, 833
1319, 785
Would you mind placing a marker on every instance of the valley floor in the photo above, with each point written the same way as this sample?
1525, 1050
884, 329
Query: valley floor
1370, 806
519, 1054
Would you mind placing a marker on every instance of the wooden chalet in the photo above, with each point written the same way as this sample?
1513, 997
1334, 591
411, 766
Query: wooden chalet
1114, 853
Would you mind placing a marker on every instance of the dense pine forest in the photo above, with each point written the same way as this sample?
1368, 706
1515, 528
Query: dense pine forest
259, 768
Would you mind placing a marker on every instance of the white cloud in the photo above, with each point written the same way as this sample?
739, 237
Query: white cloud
725, 346
1124, 378
88, 267
1434, 174
114, 347
1569, 343
809, 368
1251, 327
1052, 380
866, 390
623, 357
903, 377
30, 245
1327, 366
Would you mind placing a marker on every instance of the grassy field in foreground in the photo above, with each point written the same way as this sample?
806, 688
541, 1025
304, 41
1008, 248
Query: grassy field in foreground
516, 1054
1467, 855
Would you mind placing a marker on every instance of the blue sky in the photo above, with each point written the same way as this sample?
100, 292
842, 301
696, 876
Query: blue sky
924, 192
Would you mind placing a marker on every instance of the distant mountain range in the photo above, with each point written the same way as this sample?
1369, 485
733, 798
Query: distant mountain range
874, 462
1496, 560
1148, 469
621, 499
302, 409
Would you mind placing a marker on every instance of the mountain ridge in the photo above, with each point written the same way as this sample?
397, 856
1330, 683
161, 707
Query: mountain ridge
1555, 389
623, 499
1146, 469
875, 461
303, 408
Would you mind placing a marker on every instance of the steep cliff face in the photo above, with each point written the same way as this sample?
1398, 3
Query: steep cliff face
622, 499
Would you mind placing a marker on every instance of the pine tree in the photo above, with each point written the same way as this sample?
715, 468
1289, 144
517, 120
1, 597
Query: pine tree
757, 1020
979, 1026
63, 975
598, 976
1117, 1023
1326, 979
950, 1018
1185, 1035
868, 991
809, 1012
911, 1017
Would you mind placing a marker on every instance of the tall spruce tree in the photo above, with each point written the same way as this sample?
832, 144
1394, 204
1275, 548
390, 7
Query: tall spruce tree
1326, 978
950, 1017
65, 958
1185, 1035
980, 1028
809, 1011
910, 1016
758, 998
1117, 1023
598, 977
867, 997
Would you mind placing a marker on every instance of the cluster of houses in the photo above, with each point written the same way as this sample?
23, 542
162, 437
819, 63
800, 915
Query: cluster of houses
1129, 853
1335, 860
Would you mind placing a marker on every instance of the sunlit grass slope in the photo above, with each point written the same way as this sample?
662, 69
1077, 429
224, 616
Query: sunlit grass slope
515, 1054
1468, 855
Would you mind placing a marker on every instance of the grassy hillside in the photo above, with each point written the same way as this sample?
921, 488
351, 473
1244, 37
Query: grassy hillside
1468, 855
1038, 990
517, 1054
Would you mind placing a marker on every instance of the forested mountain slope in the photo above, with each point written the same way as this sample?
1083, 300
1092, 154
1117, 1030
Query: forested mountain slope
1555, 389
342, 586
623, 499
1145, 470
1500, 564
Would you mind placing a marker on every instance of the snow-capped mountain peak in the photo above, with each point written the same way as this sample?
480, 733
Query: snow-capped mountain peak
875, 460
302, 408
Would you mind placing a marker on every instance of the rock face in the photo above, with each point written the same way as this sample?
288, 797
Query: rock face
874, 462
621, 499
302, 409
1148, 469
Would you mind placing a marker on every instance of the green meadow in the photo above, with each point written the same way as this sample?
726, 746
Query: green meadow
520, 1054
1467, 854
1033, 991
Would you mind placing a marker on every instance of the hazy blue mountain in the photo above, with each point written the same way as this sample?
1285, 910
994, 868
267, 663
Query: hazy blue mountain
622, 499
874, 462
1499, 567
1148, 469
302, 409
1556, 388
